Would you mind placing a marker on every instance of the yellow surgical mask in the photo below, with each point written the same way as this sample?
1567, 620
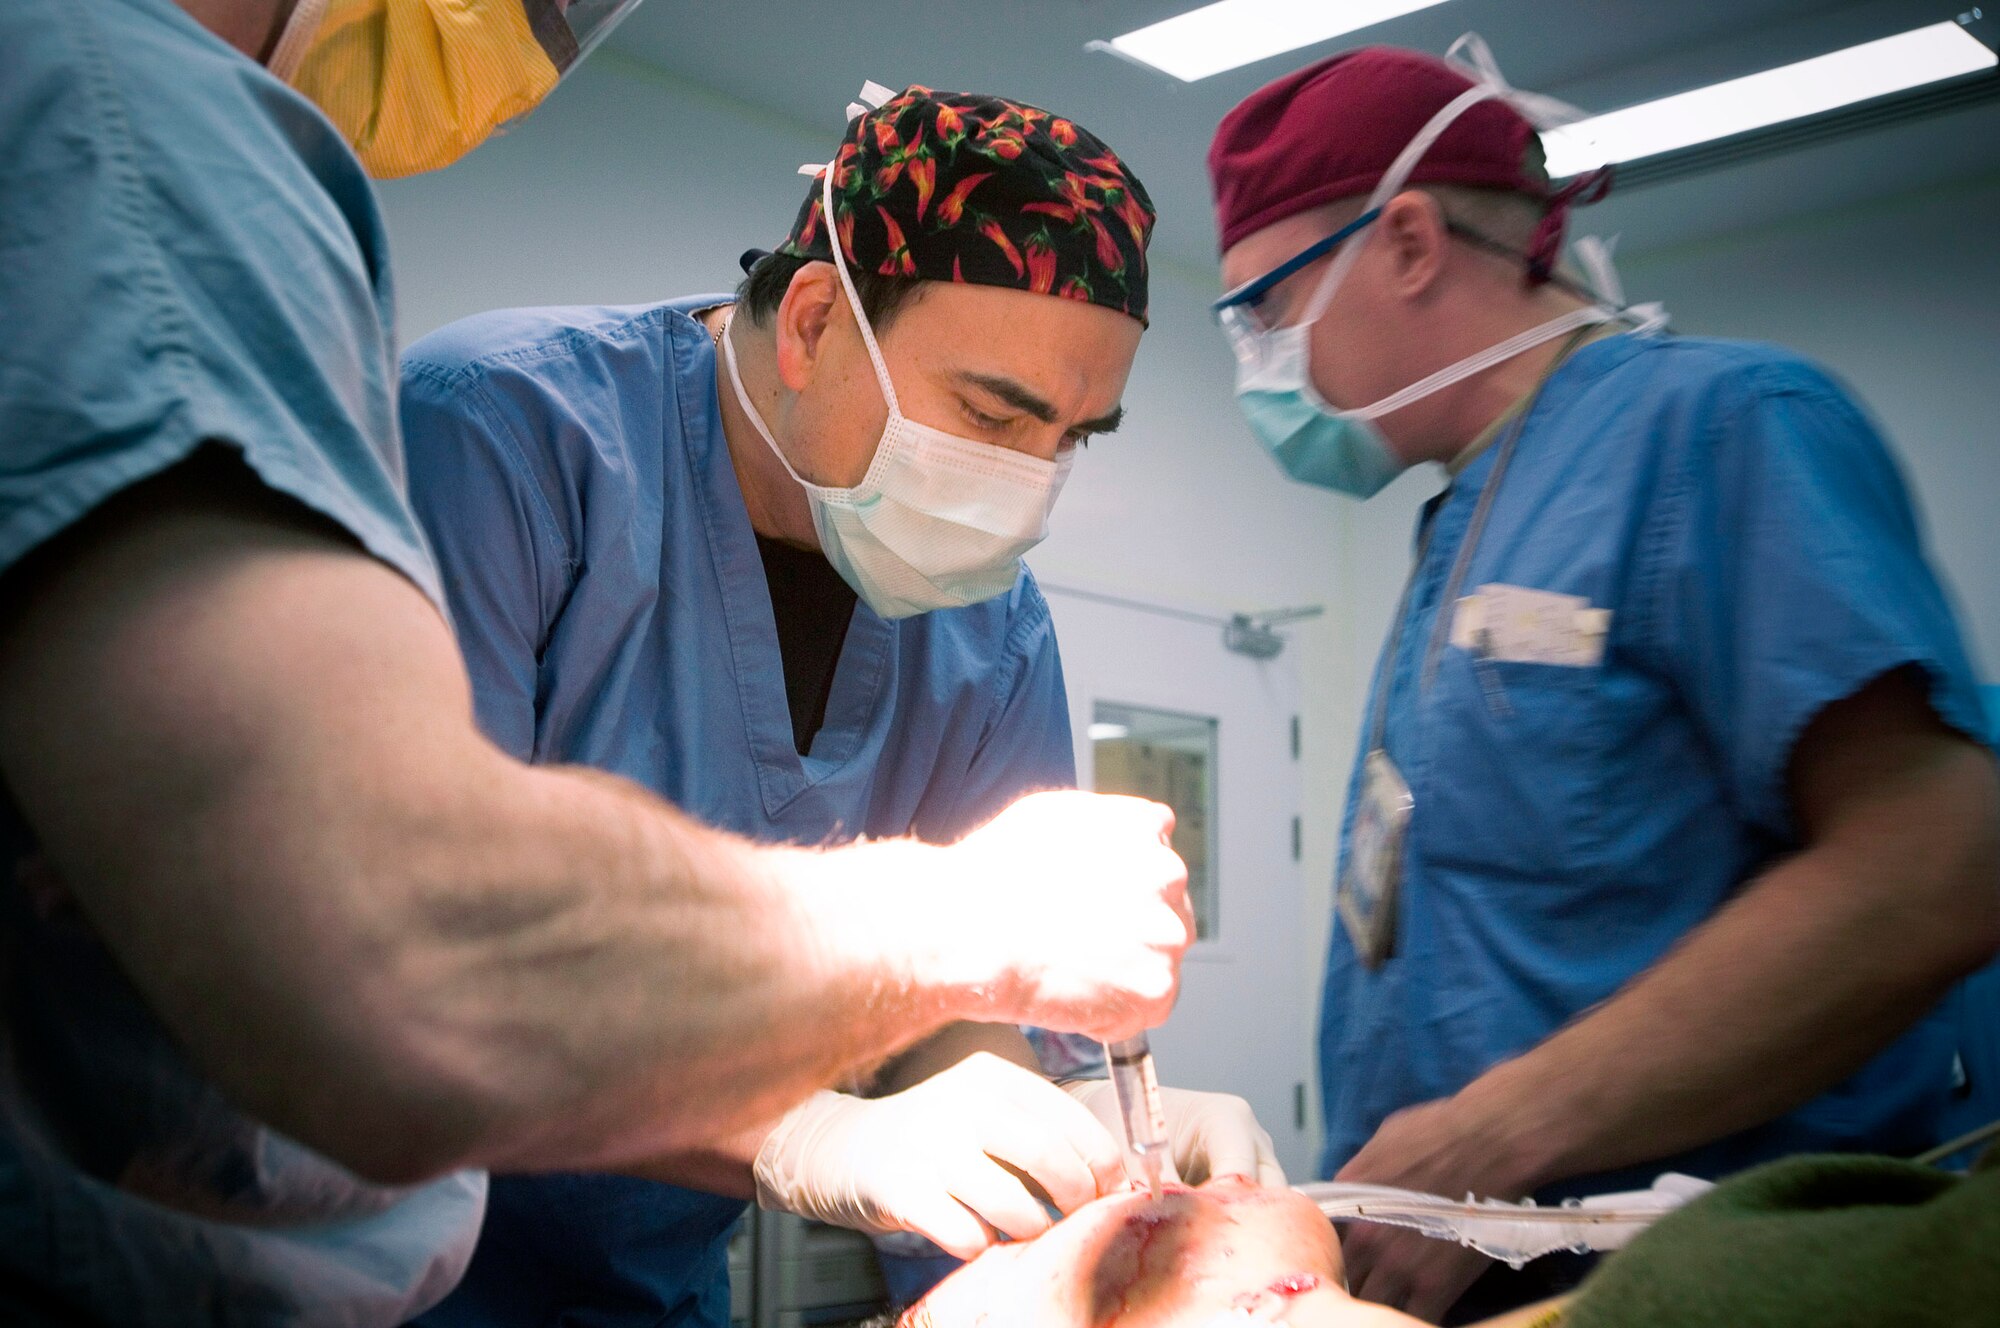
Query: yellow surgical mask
414, 85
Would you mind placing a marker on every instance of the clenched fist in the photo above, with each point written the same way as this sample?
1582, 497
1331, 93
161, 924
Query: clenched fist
1085, 915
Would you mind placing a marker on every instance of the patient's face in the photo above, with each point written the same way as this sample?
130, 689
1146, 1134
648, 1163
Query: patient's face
1127, 1261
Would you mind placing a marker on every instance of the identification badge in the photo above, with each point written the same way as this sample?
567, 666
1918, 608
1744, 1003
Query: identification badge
1519, 625
1373, 872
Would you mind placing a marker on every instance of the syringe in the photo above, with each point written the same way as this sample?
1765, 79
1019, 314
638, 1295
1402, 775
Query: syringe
1138, 1090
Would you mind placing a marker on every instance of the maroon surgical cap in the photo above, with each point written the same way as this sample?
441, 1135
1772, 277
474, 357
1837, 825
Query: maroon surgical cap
1331, 131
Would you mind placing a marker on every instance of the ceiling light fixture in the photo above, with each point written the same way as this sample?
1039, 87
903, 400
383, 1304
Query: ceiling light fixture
1232, 33
1824, 83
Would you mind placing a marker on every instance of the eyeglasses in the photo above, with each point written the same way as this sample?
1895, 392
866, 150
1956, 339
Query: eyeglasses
1250, 294
1241, 318
1238, 313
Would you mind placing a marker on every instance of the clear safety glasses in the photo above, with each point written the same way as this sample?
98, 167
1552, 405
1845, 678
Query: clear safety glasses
1240, 312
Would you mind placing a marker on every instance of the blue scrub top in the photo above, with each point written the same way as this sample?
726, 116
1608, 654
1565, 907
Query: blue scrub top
1747, 529
188, 253
571, 469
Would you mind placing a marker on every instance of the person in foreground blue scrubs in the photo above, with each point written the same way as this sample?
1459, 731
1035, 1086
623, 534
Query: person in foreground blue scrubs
291, 955
1673, 834
193, 268
762, 556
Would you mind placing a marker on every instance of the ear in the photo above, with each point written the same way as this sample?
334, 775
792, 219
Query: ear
1414, 234
811, 304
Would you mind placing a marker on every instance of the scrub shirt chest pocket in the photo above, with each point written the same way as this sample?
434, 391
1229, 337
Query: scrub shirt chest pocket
1527, 713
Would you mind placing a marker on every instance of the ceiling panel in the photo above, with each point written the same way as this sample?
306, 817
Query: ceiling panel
805, 59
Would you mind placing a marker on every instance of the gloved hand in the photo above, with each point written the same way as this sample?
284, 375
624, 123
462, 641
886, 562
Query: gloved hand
935, 1159
1208, 1134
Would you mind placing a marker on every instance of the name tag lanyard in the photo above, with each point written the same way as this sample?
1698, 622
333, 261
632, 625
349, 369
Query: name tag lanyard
1371, 877
1440, 625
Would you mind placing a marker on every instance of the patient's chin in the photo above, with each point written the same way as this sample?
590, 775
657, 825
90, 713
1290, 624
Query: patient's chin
1136, 1262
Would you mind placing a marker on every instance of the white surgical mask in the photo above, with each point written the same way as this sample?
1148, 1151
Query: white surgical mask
939, 521
1318, 443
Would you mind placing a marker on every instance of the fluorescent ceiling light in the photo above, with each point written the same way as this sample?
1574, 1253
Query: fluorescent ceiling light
1756, 101
1236, 32
1102, 732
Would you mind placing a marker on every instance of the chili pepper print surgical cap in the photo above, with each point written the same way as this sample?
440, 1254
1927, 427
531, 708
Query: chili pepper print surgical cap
955, 186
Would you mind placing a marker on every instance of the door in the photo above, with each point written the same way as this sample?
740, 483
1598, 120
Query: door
1159, 690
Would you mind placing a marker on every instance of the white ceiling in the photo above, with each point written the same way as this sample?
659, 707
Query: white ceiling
805, 59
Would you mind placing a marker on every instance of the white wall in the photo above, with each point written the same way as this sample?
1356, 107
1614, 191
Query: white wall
625, 187
1901, 298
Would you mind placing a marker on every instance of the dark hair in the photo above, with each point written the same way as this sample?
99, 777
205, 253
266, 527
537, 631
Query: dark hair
763, 290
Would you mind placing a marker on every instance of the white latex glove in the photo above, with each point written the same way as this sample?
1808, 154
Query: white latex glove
1208, 1134
930, 1159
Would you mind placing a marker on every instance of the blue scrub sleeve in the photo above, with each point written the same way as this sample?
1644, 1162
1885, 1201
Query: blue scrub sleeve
1025, 747
498, 547
1792, 573
188, 254
1024, 743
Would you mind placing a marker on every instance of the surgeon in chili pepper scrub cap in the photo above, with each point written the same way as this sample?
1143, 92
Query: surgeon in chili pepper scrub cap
1673, 829
762, 554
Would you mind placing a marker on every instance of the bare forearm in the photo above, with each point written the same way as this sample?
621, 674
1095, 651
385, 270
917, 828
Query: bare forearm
721, 1166
1784, 993
1813, 968
248, 752
644, 984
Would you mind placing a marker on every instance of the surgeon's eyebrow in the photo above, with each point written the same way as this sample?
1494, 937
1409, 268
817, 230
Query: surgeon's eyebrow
1023, 399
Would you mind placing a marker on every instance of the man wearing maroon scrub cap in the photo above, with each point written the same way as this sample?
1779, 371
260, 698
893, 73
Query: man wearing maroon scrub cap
1672, 835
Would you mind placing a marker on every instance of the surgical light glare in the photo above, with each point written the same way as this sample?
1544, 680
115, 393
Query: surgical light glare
1103, 732
1757, 101
1230, 33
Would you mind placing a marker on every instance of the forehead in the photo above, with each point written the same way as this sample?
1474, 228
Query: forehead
1073, 354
